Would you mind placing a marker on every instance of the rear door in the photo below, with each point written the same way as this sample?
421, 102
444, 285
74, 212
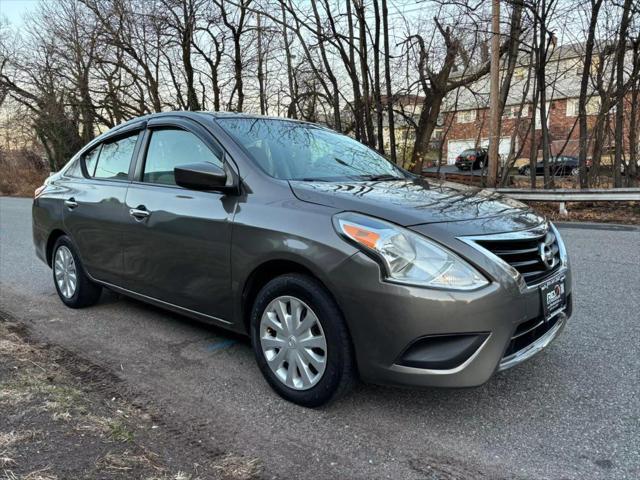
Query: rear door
178, 241
94, 207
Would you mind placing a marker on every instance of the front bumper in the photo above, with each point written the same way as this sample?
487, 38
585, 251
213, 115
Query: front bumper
385, 319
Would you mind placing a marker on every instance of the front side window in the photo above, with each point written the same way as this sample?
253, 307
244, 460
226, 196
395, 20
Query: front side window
298, 151
171, 148
113, 159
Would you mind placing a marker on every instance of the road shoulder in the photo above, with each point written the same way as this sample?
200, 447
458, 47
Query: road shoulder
65, 417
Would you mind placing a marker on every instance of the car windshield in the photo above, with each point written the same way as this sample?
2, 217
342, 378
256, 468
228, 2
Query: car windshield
468, 152
298, 151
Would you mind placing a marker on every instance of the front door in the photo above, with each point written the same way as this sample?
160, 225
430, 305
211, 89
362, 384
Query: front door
177, 246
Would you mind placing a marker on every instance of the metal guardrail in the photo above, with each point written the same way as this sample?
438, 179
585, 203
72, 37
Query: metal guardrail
571, 195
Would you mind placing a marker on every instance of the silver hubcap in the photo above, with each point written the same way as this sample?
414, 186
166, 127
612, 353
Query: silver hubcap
64, 269
293, 342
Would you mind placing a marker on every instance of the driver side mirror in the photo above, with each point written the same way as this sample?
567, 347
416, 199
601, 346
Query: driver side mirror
201, 176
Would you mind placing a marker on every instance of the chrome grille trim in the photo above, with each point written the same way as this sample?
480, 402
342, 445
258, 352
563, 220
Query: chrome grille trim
545, 230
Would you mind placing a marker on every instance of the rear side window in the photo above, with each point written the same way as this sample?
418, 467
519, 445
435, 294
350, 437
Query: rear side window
171, 148
91, 160
113, 159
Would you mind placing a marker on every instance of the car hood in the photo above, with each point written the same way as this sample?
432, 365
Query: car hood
410, 202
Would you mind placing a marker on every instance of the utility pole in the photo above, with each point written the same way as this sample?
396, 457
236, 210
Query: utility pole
262, 95
494, 100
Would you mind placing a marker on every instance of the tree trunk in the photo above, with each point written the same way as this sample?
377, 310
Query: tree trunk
582, 101
376, 85
542, 88
291, 108
387, 81
620, 93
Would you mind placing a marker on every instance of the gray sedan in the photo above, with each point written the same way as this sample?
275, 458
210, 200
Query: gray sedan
338, 264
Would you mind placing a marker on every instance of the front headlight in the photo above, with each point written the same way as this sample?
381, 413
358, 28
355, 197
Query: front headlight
407, 257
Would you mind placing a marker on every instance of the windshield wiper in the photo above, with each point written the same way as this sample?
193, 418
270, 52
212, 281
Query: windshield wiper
380, 178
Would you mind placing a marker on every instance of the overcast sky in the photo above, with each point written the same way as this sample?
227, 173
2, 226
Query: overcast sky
14, 10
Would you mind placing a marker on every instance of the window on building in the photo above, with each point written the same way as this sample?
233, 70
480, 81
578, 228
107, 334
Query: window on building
538, 116
466, 116
513, 111
593, 106
573, 106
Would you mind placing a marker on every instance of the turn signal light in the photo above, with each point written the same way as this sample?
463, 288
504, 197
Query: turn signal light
360, 235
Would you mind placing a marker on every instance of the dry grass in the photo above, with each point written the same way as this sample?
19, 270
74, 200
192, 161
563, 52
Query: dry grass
22, 172
45, 406
627, 213
9, 439
235, 467
42, 474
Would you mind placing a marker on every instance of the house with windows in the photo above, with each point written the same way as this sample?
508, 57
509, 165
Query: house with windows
466, 112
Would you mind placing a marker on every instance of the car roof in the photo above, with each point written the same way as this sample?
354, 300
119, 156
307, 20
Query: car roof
207, 114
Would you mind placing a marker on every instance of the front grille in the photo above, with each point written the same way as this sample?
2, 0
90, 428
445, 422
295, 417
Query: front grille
528, 332
523, 254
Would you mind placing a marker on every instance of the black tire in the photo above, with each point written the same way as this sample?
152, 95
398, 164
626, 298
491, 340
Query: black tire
339, 375
87, 293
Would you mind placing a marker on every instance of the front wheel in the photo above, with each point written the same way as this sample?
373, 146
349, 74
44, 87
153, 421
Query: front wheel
301, 342
74, 287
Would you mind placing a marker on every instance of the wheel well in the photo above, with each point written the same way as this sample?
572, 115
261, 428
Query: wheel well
51, 241
261, 276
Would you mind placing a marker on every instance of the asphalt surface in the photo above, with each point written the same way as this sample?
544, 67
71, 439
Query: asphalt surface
452, 169
573, 412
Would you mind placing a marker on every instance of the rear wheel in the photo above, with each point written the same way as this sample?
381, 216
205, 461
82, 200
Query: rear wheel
74, 287
301, 342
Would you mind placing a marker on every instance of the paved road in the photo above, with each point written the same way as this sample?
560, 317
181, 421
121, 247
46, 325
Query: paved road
452, 169
571, 413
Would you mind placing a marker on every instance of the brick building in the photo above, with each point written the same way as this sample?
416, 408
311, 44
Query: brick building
466, 116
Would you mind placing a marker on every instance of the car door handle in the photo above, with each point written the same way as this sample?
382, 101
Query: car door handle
71, 203
139, 213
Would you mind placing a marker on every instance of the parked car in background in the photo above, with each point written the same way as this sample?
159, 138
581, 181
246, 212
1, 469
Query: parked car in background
562, 165
624, 167
337, 263
472, 159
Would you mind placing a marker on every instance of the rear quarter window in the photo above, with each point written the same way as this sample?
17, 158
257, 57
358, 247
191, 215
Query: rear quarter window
74, 169
114, 159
